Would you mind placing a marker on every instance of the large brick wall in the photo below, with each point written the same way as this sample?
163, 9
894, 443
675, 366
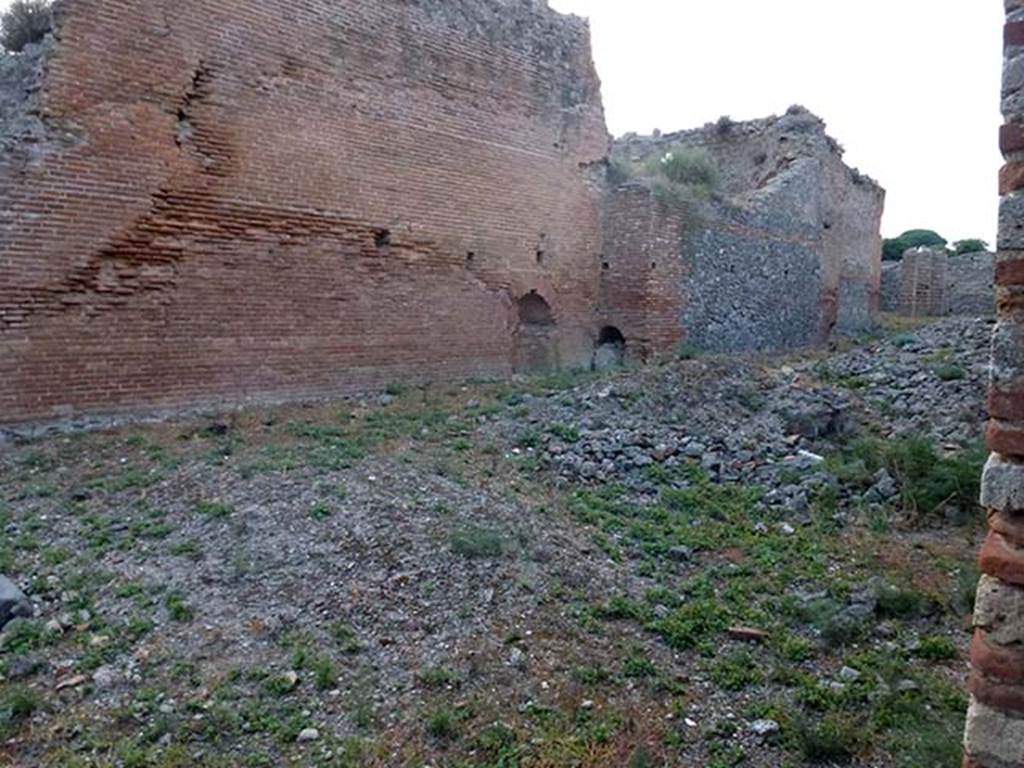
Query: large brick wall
786, 252
210, 200
995, 723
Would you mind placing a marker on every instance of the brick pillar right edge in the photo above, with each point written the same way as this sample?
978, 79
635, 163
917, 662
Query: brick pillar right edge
995, 722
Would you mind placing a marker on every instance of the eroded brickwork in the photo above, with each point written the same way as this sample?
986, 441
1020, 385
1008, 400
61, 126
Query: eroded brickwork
642, 271
924, 283
209, 200
995, 723
790, 248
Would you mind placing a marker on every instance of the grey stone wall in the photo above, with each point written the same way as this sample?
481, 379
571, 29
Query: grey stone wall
753, 283
971, 284
892, 281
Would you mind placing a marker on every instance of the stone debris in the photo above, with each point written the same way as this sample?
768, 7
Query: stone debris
13, 603
772, 426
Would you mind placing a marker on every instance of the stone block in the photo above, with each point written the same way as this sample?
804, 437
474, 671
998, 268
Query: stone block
1002, 485
993, 736
999, 611
13, 603
1011, 222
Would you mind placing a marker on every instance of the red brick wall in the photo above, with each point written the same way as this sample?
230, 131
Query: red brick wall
643, 271
266, 200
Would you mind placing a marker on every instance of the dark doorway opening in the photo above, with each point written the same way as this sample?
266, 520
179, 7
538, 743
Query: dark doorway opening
536, 342
611, 349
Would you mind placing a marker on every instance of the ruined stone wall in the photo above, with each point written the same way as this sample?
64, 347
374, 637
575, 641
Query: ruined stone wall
968, 285
789, 248
209, 200
995, 722
892, 286
924, 279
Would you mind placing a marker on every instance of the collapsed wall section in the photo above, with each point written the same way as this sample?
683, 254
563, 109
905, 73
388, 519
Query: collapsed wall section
789, 247
234, 200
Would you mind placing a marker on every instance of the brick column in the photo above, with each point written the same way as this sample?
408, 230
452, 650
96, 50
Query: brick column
995, 722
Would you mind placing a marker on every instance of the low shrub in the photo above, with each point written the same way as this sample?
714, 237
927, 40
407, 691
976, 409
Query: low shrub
684, 174
834, 739
929, 482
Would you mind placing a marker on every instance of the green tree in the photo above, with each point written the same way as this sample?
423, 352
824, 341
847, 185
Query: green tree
894, 248
971, 245
26, 21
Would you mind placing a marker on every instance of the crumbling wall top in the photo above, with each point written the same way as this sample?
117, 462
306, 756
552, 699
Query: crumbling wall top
750, 155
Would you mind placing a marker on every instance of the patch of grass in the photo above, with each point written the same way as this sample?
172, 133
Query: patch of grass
695, 622
216, 510
929, 481
477, 542
795, 648
687, 172
565, 433
636, 665
325, 673
191, 548
950, 372
437, 677
897, 603
836, 738
321, 511
17, 704
443, 723
736, 672
177, 608
346, 638
21, 636
937, 649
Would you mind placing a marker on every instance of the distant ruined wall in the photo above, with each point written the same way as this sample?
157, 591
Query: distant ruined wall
995, 722
970, 288
924, 280
789, 251
968, 285
229, 200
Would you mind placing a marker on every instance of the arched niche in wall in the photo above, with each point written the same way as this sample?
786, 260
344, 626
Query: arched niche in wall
536, 336
610, 350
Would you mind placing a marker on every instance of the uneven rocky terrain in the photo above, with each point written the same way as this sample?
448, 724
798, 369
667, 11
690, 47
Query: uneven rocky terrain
709, 562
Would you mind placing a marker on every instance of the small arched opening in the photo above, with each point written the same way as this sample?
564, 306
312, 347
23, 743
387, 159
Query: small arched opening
610, 351
536, 339
534, 310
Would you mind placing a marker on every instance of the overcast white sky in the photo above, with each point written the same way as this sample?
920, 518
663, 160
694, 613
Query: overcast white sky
909, 87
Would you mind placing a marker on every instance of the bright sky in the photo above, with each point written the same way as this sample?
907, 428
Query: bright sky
909, 87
